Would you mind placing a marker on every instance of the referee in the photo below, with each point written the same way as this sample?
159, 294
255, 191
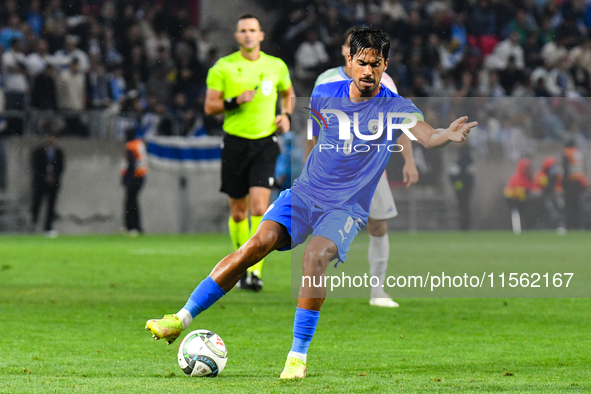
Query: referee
244, 86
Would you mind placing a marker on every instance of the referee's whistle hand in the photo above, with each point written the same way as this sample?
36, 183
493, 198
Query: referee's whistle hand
246, 96
282, 123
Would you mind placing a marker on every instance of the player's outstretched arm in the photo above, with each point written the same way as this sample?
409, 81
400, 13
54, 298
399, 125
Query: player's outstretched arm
438, 138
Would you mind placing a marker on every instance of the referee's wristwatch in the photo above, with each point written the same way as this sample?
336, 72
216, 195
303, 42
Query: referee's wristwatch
231, 103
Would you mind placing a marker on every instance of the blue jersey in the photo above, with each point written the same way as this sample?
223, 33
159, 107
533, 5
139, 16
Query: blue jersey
343, 174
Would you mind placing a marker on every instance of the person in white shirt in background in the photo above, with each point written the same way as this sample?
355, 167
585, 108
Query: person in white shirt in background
63, 57
310, 58
71, 91
38, 60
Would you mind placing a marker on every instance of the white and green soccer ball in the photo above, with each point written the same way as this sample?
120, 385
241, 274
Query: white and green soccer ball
202, 353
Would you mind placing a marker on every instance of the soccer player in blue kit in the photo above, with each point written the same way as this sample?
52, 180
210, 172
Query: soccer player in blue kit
330, 200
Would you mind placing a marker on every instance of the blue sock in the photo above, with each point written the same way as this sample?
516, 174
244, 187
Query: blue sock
304, 326
204, 296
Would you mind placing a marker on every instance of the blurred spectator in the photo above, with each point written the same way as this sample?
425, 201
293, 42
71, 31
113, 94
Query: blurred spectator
132, 39
548, 182
511, 76
186, 83
137, 63
110, 54
55, 34
569, 33
63, 58
531, 51
117, 84
552, 53
511, 136
124, 20
574, 183
540, 72
39, 59
447, 88
183, 113
98, 87
523, 24
48, 165
34, 17
467, 88
416, 71
458, 31
44, 94
492, 87
461, 175
434, 44
133, 173
430, 55
8, 9
310, 59
540, 89
157, 45
159, 85
189, 40
71, 92
483, 20
163, 60
580, 76
560, 81
504, 52
94, 39
397, 70
394, 10
548, 179
11, 32
16, 84
518, 192
547, 32
179, 21
108, 13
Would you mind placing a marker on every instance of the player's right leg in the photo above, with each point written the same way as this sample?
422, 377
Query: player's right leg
317, 256
270, 236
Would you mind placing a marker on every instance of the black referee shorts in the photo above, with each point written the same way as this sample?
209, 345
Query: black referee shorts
247, 163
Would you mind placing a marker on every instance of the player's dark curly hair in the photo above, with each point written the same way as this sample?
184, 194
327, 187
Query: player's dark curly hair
369, 38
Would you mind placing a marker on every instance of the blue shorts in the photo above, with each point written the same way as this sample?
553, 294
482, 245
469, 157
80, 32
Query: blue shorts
301, 218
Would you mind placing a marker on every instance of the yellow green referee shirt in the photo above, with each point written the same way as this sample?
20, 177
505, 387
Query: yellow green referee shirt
233, 74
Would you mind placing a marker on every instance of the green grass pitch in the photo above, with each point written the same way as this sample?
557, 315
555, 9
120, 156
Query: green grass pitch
73, 310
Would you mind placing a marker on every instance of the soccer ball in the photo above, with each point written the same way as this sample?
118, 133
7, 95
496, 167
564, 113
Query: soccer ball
202, 353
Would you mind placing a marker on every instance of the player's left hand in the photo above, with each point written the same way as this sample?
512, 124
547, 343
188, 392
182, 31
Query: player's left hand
458, 130
282, 123
410, 174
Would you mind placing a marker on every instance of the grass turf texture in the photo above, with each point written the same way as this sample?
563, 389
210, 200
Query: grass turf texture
73, 311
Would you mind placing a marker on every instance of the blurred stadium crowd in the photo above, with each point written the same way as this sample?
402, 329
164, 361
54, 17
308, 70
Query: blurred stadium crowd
114, 56
149, 59
452, 48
